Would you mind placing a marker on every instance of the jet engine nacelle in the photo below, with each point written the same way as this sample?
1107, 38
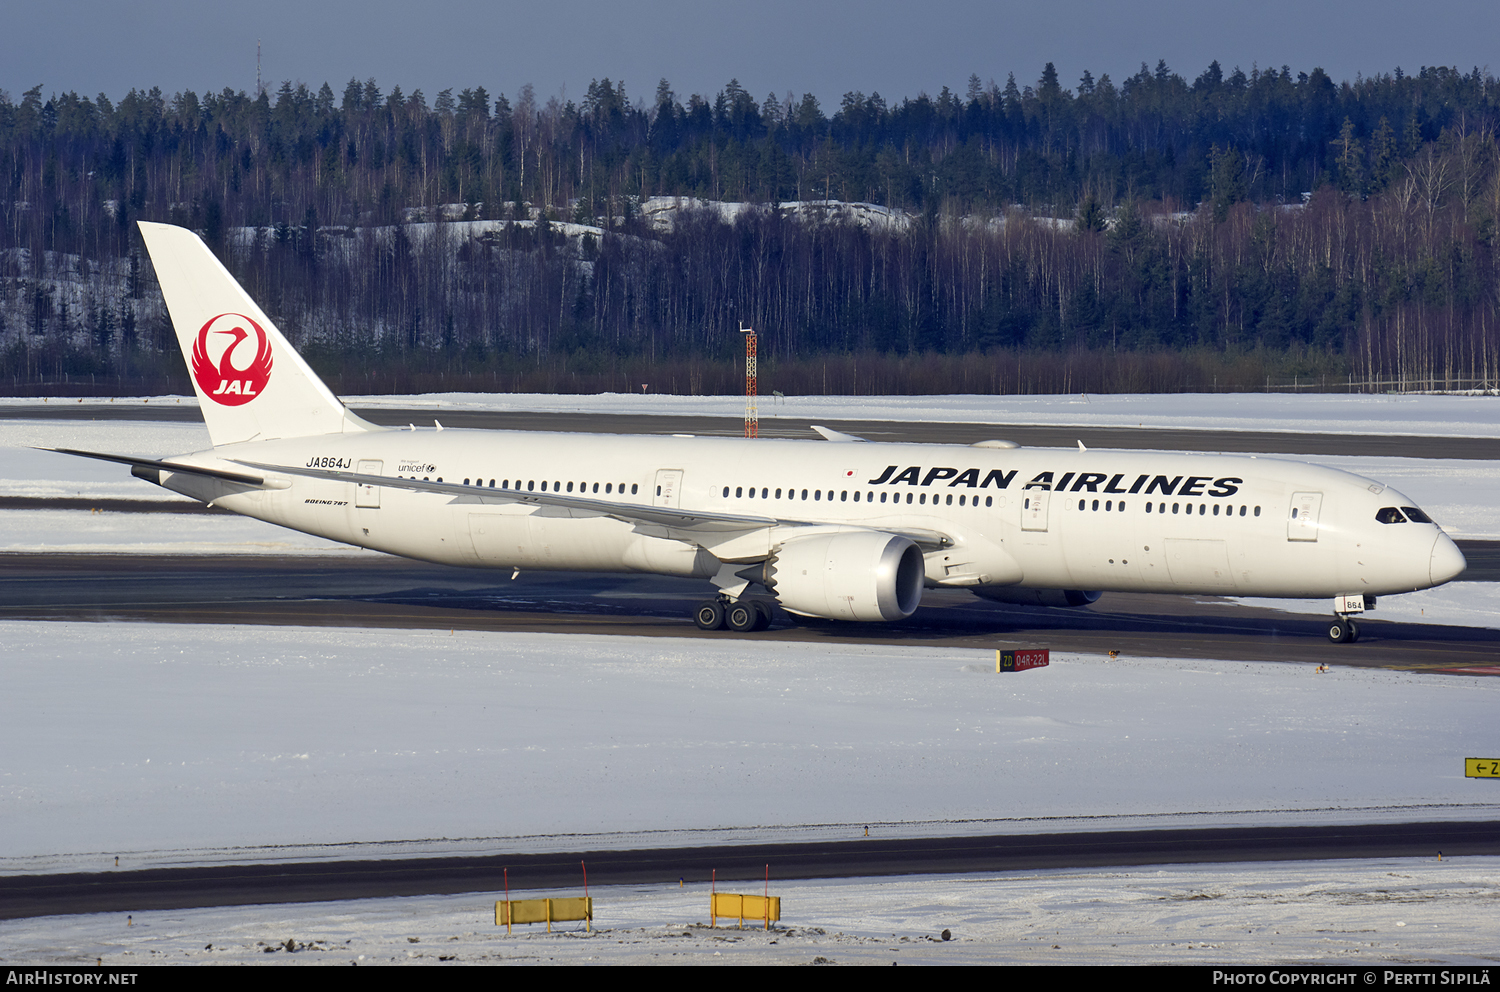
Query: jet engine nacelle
861, 575
1037, 597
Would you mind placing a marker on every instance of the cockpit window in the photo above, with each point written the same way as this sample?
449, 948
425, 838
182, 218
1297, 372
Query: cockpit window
1416, 515
1390, 515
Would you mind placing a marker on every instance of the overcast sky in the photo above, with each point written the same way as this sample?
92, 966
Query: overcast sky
898, 48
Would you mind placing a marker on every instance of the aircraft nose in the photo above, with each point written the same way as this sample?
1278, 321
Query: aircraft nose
1447, 561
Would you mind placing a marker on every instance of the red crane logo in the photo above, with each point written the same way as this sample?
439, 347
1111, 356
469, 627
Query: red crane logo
219, 378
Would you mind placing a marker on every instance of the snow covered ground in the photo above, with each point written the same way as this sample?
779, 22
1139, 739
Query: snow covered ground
1458, 416
198, 744
1357, 912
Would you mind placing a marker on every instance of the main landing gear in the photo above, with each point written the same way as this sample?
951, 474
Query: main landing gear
743, 616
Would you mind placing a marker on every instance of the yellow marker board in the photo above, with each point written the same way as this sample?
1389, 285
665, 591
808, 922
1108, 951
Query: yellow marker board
766, 909
548, 911
1482, 768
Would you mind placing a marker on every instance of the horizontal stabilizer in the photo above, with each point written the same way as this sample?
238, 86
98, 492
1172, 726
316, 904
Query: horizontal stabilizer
153, 464
829, 434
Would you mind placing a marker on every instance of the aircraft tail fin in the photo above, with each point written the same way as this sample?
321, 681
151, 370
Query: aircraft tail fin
250, 381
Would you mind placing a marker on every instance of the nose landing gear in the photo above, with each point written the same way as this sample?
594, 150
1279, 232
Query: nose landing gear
1343, 631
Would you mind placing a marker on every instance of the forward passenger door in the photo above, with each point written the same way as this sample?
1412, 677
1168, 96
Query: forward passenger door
1302, 519
668, 488
1034, 509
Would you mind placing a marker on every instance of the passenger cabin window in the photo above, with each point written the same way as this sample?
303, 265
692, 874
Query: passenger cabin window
1388, 515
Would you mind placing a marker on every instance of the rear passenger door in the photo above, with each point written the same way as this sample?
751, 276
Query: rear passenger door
368, 497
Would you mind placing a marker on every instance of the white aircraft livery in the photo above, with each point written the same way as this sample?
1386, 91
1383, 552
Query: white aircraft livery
833, 528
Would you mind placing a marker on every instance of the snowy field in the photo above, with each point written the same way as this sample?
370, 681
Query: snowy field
1455, 416
199, 744
1396, 911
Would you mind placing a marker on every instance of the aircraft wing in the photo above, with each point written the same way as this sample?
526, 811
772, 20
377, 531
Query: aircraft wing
685, 522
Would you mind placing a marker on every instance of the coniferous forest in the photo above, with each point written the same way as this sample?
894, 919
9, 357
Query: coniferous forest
1237, 230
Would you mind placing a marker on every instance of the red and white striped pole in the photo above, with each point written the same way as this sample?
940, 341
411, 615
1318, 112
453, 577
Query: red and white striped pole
752, 415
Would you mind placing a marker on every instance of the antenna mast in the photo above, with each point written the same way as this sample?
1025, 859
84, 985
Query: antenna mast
752, 416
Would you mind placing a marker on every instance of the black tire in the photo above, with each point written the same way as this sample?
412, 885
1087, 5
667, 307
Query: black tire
742, 617
765, 614
1338, 630
709, 615
1353, 631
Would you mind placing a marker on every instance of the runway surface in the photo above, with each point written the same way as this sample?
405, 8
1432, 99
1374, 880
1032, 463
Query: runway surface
236, 885
924, 432
365, 590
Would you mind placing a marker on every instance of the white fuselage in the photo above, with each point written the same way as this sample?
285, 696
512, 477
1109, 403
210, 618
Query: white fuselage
1001, 517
